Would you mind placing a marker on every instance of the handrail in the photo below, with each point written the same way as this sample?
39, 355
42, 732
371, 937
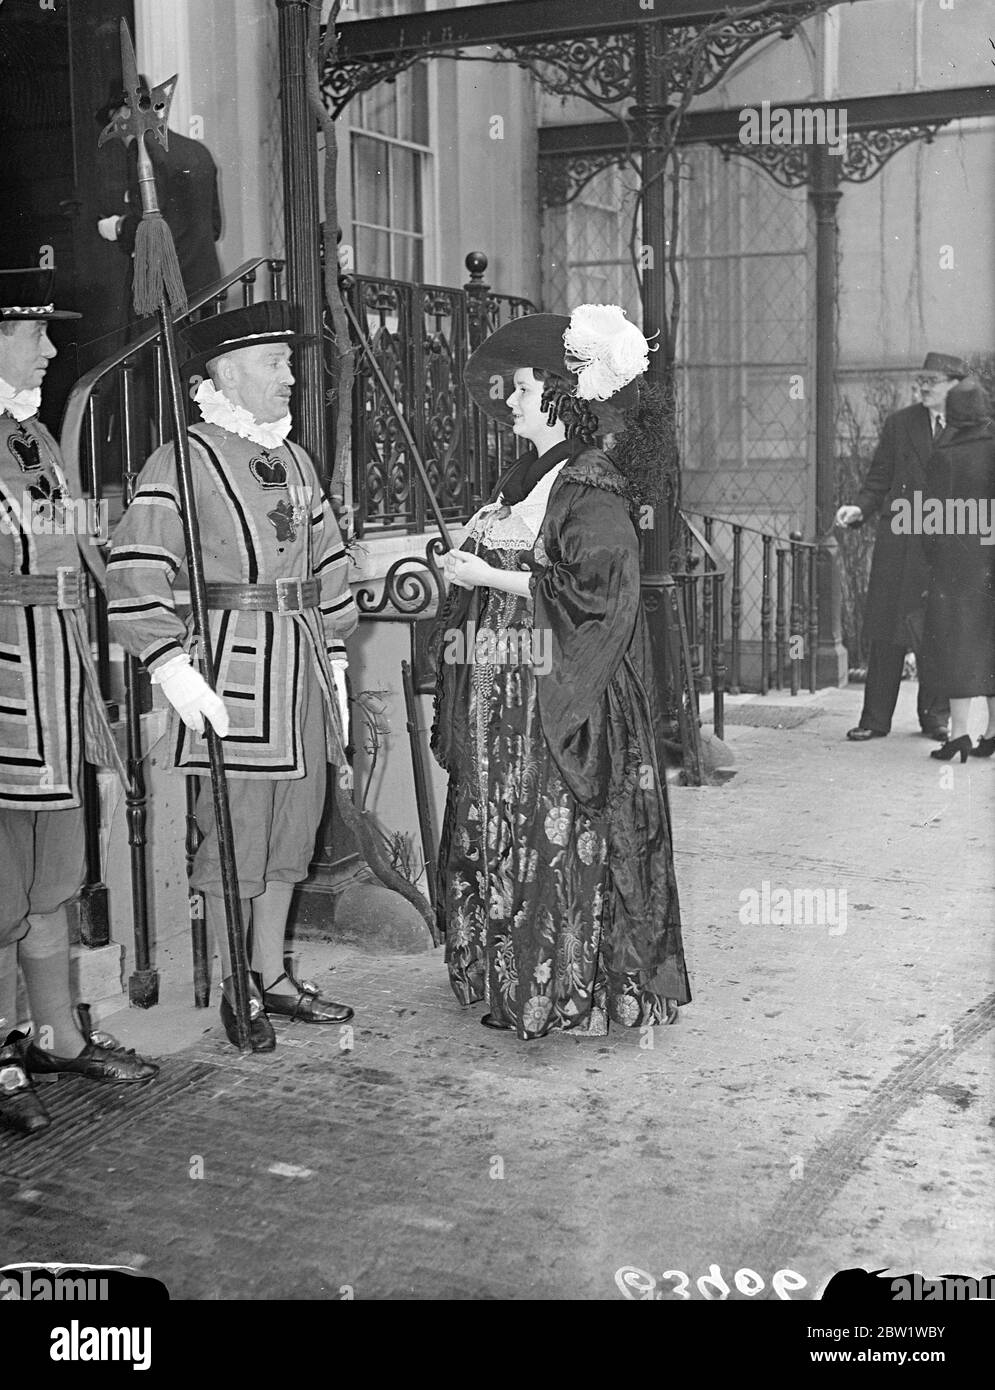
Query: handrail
817, 544
719, 565
79, 399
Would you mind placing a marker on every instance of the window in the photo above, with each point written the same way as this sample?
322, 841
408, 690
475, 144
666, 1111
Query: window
745, 326
391, 170
587, 256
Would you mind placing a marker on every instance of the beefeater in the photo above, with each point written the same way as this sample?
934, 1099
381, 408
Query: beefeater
280, 609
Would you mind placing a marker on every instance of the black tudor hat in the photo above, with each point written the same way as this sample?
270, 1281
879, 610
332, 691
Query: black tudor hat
269, 321
27, 294
540, 341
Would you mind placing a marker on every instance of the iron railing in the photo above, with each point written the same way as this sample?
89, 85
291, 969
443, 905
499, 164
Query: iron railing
421, 336
773, 629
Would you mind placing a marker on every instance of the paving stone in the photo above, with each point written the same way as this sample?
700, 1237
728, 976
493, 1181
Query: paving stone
821, 1105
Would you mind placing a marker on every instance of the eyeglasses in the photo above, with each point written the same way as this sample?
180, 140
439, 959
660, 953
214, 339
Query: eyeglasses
931, 380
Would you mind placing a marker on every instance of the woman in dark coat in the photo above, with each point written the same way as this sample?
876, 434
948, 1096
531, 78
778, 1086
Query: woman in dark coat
556, 885
960, 608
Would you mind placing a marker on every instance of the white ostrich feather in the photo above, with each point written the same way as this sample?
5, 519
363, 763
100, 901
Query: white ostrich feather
604, 349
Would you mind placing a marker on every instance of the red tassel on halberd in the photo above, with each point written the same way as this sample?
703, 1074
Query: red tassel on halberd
157, 269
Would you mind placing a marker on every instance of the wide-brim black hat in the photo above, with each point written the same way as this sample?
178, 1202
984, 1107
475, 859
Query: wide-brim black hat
269, 321
534, 340
27, 294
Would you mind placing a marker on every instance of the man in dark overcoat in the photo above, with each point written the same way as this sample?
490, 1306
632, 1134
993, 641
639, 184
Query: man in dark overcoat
893, 617
186, 179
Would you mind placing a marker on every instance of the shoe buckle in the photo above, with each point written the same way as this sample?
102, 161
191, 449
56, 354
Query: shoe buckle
289, 595
13, 1078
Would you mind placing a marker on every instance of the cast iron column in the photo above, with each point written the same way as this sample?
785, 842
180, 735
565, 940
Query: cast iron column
301, 221
649, 116
824, 192
299, 132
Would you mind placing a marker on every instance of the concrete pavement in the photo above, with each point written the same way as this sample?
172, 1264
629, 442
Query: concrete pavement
824, 1102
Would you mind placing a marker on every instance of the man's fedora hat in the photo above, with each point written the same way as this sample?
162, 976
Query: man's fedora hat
27, 294
596, 353
269, 321
943, 362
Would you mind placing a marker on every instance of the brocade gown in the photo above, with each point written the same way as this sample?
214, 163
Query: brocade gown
556, 886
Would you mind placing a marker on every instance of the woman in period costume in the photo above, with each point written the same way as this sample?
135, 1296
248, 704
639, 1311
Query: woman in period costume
556, 885
960, 607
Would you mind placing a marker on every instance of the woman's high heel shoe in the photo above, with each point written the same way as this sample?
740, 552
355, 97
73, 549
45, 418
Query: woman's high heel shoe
984, 748
952, 747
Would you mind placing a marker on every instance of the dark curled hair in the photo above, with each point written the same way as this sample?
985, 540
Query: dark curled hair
578, 418
644, 450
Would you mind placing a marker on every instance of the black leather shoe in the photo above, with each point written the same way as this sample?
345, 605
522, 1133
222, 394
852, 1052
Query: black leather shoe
102, 1059
489, 1021
261, 1035
861, 735
307, 1005
20, 1108
984, 748
939, 732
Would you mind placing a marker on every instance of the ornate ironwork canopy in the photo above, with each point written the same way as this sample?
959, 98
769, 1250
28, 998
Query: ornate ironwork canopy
576, 47
876, 128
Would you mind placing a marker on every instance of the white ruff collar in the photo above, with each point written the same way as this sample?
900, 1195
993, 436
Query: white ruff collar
21, 404
217, 409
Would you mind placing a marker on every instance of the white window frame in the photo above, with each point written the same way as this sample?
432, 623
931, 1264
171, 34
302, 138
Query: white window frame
428, 193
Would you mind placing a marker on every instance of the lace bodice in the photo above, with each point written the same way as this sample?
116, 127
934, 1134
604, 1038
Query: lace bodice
498, 526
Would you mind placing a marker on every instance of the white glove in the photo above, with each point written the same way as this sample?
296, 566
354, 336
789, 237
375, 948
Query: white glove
338, 675
108, 227
191, 696
848, 516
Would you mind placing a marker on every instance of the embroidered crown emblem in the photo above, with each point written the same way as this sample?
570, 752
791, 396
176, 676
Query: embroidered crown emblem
267, 471
25, 451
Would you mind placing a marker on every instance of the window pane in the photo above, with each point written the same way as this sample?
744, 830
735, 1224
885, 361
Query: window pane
412, 90
378, 109
372, 252
408, 258
370, 180
406, 206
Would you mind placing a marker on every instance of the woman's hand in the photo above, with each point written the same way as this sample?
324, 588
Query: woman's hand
466, 570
